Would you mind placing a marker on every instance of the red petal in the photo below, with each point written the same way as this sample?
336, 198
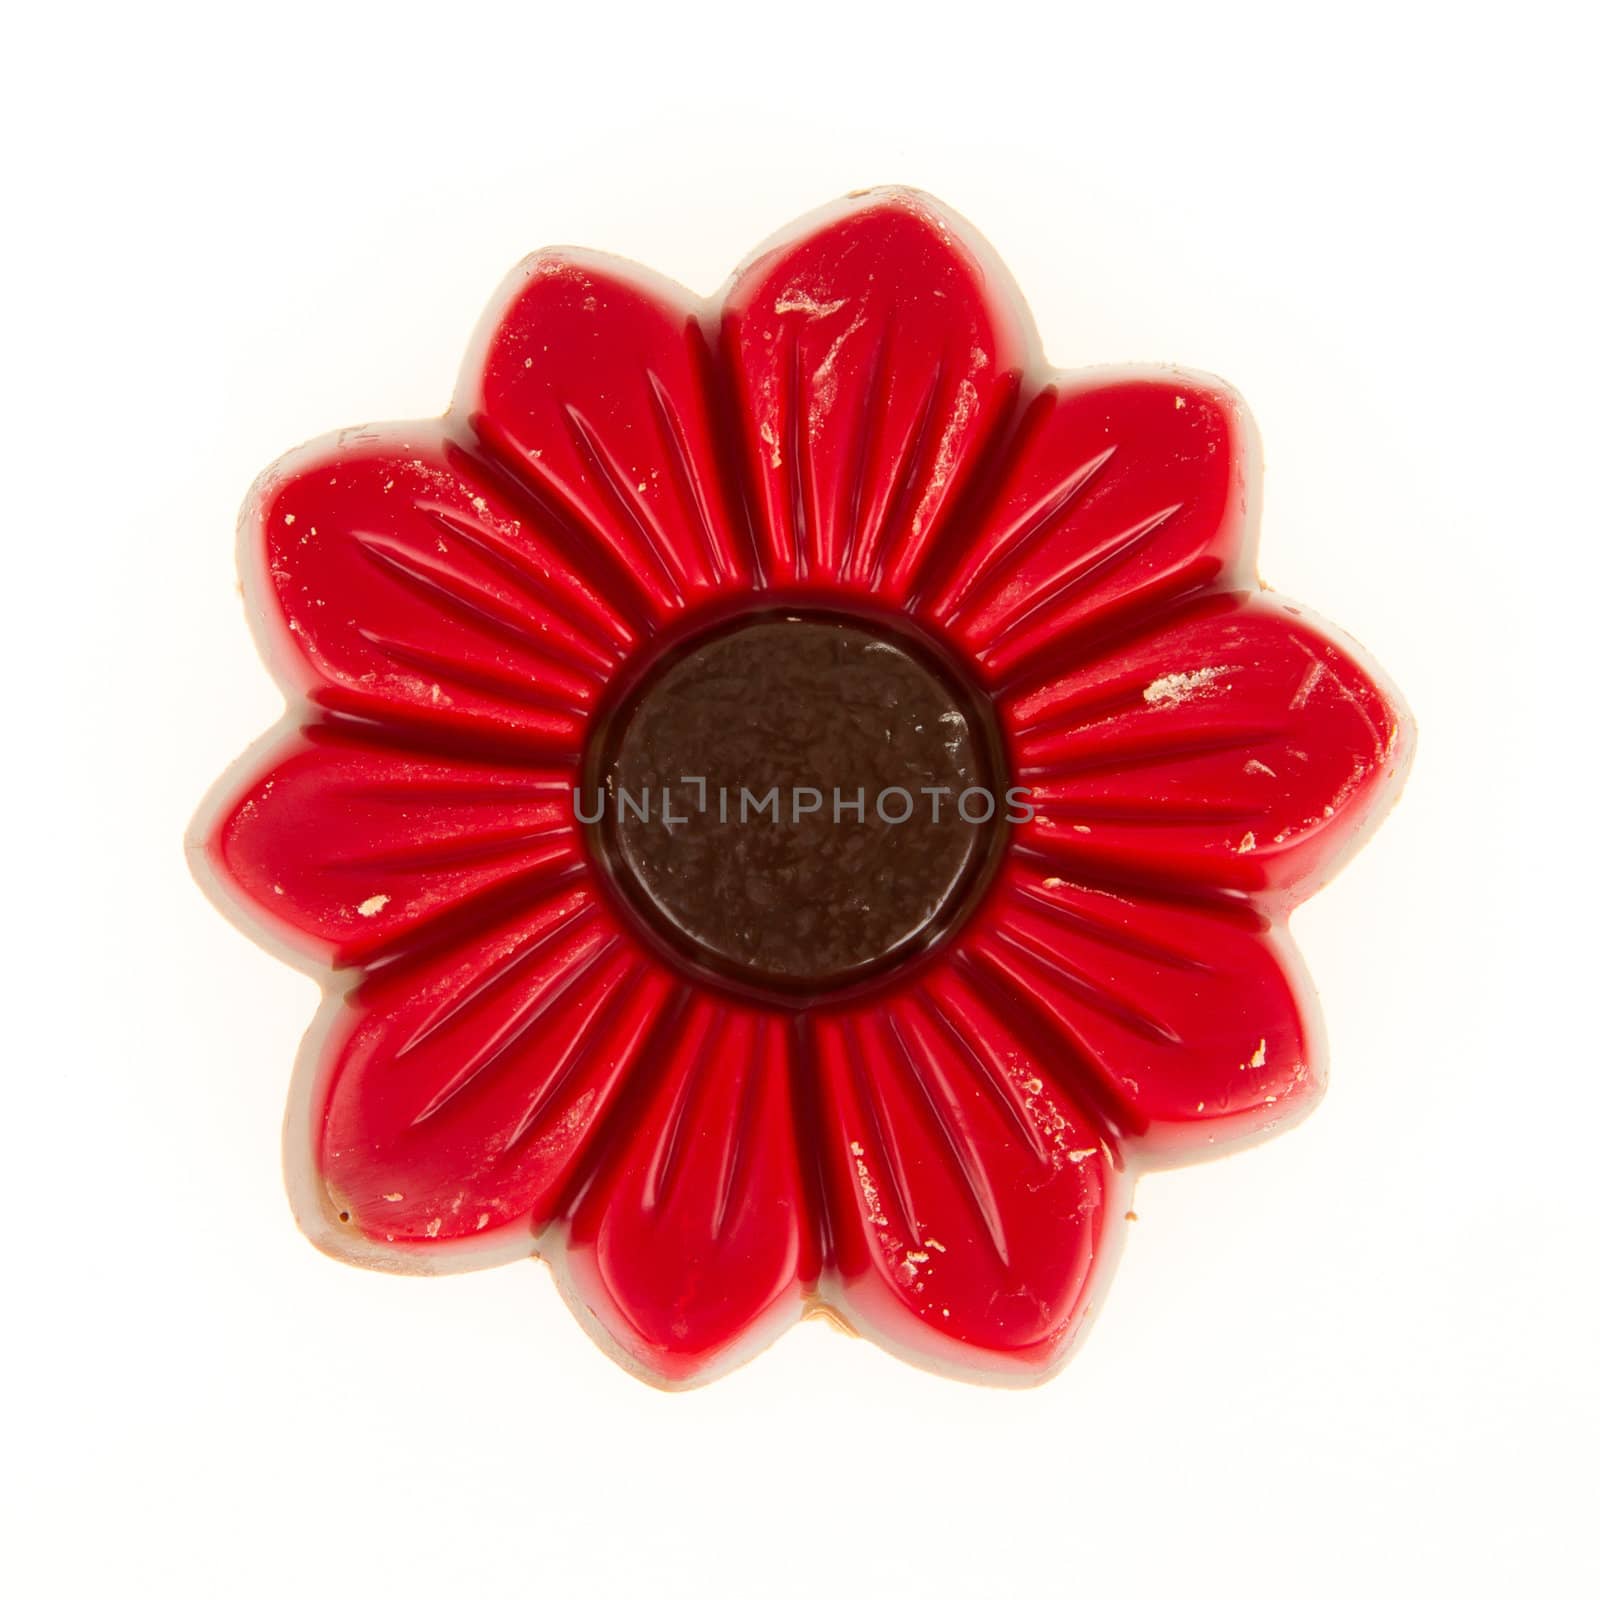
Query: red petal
457, 1093
971, 1198
1115, 496
1239, 745
1186, 1026
590, 379
692, 1249
394, 576
346, 848
874, 352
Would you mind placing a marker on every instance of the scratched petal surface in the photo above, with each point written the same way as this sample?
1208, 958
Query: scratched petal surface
463, 1087
396, 577
1236, 744
1187, 1024
872, 355
1114, 497
591, 383
971, 1195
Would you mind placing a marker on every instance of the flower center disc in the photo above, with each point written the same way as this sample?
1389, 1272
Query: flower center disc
797, 802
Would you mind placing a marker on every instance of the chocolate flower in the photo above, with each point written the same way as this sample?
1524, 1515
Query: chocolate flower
838, 532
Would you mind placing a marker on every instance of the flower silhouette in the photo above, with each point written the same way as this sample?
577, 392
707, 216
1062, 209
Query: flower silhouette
513, 1060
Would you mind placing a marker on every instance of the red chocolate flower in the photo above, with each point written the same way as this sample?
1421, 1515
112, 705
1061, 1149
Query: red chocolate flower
922, 1113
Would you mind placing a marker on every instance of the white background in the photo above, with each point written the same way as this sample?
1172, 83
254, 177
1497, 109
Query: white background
1361, 1358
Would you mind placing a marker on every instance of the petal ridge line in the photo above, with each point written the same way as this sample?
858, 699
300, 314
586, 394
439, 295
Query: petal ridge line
590, 1032
796, 468
1132, 1017
513, 1033
1055, 1047
1085, 712
881, 1131
869, 411
605, 570
1136, 813
729, 453
604, 469
584, 652
908, 469
1219, 899
469, 917
1124, 627
458, 597
675, 438
736, 1152
941, 1019
485, 983
1094, 566
476, 680
666, 1158
663, 1031
957, 1138
405, 791
1144, 752
1116, 938
1052, 509
459, 850
806, 1119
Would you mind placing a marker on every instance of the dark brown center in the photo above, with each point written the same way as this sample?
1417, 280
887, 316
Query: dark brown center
798, 802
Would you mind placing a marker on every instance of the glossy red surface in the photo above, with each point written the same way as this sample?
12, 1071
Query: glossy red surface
507, 1065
